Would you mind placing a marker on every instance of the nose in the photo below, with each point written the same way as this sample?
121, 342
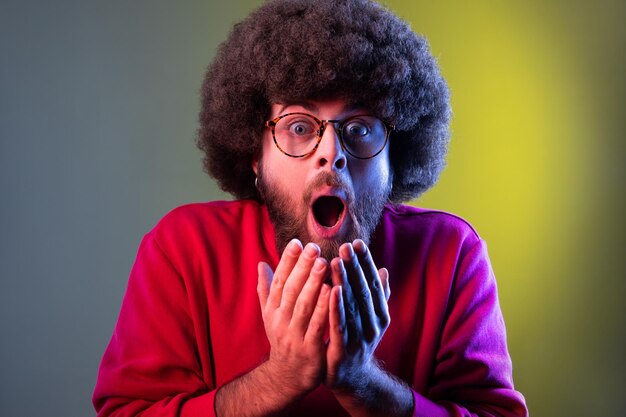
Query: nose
330, 154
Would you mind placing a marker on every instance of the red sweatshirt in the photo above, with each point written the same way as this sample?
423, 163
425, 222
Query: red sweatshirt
191, 322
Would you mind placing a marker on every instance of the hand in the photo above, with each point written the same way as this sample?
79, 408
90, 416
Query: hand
295, 304
359, 316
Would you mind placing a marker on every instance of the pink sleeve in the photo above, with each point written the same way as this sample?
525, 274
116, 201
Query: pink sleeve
473, 371
151, 366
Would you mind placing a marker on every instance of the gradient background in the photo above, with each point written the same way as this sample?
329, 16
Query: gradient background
98, 108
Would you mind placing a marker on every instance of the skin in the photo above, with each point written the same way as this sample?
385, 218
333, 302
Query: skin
298, 307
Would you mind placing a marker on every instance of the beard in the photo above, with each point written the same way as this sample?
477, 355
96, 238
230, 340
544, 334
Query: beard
289, 217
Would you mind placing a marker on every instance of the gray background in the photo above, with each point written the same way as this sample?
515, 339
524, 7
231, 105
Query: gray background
98, 109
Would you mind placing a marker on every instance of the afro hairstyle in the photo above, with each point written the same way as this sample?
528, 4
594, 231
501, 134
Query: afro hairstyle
290, 50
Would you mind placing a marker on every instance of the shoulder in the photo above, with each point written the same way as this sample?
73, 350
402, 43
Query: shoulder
214, 213
210, 211
199, 222
192, 235
424, 222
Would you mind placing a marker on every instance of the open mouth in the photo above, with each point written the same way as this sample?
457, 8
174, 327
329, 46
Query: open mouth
327, 210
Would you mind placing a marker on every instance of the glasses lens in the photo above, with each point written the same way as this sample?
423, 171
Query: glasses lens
364, 136
296, 134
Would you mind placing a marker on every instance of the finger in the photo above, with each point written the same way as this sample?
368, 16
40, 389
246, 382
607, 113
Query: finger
360, 290
319, 318
263, 286
297, 278
370, 273
352, 319
308, 298
337, 273
384, 277
287, 261
337, 320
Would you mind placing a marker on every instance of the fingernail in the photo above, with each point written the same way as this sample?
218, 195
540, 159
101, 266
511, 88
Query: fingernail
340, 266
311, 249
384, 271
350, 250
319, 265
294, 247
325, 289
359, 246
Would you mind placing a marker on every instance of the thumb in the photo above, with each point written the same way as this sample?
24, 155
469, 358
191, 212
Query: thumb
383, 273
265, 281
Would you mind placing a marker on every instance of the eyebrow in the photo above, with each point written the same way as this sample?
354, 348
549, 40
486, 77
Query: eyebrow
306, 104
311, 107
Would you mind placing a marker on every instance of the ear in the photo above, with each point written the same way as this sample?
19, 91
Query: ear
255, 166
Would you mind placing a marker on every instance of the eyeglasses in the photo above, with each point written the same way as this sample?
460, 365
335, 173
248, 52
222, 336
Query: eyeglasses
299, 134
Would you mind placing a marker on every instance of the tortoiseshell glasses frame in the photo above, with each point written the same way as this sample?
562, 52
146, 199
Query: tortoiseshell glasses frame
319, 132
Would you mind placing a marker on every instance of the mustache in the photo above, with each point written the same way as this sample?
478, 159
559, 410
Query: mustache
331, 180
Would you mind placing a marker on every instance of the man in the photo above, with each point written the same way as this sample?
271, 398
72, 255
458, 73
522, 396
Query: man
321, 117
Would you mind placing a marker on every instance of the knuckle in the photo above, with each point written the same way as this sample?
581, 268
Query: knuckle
277, 282
376, 284
340, 327
301, 310
279, 339
372, 334
364, 292
289, 291
315, 327
376, 335
351, 312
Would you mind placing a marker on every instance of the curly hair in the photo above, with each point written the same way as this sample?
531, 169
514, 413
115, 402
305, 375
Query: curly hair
290, 50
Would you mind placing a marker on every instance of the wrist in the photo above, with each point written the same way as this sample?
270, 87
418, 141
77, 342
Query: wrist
284, 381
372, 391
356, 380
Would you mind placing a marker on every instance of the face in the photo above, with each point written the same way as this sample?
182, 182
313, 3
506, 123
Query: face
328, 197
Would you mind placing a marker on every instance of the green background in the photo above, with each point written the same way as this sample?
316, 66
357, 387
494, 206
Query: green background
98, 112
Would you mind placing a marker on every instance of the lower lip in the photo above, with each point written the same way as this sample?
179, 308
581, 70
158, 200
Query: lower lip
326, 232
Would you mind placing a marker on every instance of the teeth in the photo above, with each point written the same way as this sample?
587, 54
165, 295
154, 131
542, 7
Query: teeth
327, 210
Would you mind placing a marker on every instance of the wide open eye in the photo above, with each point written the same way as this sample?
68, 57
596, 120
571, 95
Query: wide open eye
297, 126
296, 134
301, 129
363, 135
357, 129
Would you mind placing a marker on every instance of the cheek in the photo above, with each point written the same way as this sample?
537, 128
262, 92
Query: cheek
282, 173
267, 147
271, 156
371, 173
384, 166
